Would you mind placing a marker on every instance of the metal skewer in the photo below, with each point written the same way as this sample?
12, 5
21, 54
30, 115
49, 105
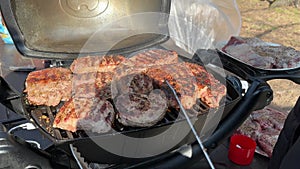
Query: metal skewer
192, 127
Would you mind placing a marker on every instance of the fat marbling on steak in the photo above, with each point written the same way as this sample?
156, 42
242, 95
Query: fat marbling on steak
89, 64
88, 114
48, 86
260, 54
141, 110
264, 127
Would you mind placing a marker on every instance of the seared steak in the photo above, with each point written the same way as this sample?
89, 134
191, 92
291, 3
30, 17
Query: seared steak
66, 118
130, 76
93, 84
48, 86
152, 57
140, 110
211, 91
85, 114
132, 83
190, 81
181, 80
96, 64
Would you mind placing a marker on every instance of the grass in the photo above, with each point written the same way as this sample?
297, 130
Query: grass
278, 25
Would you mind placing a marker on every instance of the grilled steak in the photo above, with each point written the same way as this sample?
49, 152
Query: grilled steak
190, 81
93, 84
152, 57
132, 83
181, 80
211, 91
130, 76
66, 118
96, 64
48, 86
85, 114
140, 110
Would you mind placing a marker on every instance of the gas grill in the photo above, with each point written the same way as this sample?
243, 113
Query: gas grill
56, 48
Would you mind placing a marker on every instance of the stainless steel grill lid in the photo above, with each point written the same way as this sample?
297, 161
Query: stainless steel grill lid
61, 29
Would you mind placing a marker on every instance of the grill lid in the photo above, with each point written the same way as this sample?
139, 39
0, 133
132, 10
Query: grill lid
63, 29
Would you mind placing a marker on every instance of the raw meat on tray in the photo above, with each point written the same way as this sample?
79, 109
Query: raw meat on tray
260, 54
264, 127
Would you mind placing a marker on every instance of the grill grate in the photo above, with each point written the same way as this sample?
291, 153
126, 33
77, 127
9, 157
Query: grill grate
44, 117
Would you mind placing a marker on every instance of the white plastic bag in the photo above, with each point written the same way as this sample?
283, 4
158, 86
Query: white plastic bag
202, 24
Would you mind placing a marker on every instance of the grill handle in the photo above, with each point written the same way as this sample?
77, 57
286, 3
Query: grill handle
258, 96
10, 97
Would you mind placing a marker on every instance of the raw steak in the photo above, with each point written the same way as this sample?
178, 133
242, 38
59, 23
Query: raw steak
267, 140
239, 49
85, 114
269, 118
48, 86
260, 54
140, 110
264, 126
250, 128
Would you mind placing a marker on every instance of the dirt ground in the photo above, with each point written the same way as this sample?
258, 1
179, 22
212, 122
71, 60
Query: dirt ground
278, 25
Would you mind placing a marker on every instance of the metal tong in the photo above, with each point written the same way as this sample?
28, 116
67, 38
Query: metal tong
191, 126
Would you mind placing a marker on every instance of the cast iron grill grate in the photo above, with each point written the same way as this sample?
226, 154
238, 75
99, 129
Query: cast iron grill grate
45, 115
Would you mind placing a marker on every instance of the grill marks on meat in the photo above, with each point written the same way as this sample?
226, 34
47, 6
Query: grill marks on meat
136, 100
90, 85
152, 58
211, 91
94, 115
140, 110
48, 86
181, 80
257, 53
66, 118
139, 91
96, 64
190, 81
